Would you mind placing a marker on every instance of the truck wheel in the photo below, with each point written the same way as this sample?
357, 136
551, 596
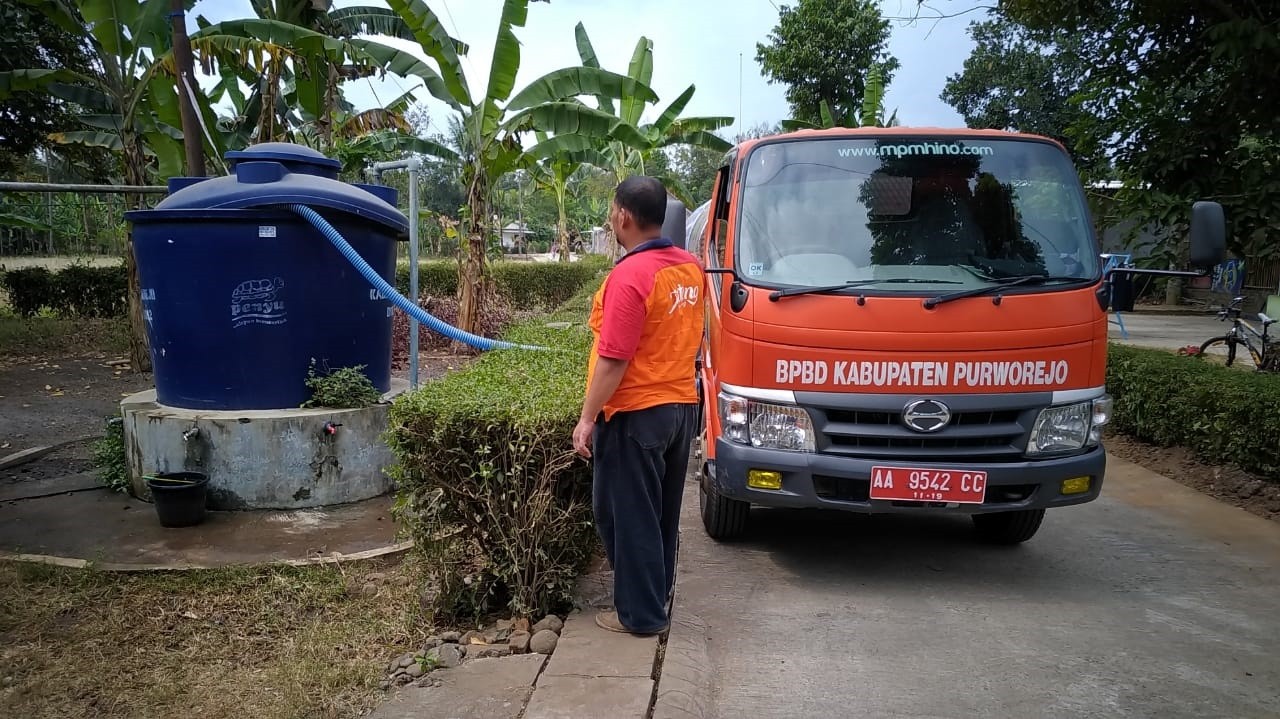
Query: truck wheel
1008, 527
725, 519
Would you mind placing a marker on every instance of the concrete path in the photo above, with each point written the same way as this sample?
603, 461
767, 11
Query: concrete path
592, 673
1154, 601
118, 532
595, 673
1167, 331
479, 689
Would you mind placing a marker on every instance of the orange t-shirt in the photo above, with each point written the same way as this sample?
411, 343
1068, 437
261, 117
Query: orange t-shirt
650, 311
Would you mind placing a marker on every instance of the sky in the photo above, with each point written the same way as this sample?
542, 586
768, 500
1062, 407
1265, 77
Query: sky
695, 42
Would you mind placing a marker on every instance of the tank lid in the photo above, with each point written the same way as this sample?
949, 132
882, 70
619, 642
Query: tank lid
285, 152
275, 177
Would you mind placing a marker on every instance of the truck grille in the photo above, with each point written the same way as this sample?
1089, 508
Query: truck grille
987, 434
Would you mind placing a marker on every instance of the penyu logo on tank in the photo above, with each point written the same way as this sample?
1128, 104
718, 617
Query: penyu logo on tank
258, 302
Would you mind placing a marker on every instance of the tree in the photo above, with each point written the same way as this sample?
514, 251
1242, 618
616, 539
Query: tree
27, 119
493, 124
295, 56
641, 145
696, 167
1175, 97
871, 114
131, 104
822, 50
1011, 81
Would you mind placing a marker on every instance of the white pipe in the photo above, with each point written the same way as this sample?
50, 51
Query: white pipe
413, 167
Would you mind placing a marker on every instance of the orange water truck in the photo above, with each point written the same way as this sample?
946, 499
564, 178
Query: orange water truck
904, 321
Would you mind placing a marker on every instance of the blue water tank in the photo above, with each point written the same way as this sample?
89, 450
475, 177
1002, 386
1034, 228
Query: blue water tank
240, 295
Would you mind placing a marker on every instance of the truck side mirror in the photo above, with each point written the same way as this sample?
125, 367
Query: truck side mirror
673, 226
1208, 235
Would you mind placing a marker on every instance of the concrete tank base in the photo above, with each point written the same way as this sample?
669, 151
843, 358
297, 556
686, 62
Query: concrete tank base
262, 459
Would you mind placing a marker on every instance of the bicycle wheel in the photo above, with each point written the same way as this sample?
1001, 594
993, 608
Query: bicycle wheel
1214, 348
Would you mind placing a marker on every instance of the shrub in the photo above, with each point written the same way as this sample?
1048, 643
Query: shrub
525, 285
541, 285
109, 457
495, 317
436, 278
1220, 413
77, 291
344, 388
93, 291
30, 290
489, 486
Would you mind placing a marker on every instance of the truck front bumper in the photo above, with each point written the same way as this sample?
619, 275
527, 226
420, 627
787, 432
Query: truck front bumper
837, 482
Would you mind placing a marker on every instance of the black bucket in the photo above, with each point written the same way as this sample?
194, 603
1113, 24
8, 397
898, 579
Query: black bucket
179, 497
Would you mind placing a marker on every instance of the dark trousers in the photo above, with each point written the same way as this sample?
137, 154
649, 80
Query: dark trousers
640, 462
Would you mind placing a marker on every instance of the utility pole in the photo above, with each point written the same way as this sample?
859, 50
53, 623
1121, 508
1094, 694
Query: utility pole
186, 84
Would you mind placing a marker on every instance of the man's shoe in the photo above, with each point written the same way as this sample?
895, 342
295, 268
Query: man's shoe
609, 621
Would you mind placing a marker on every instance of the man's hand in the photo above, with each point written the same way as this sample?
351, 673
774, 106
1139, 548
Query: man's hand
582, 437
607, 377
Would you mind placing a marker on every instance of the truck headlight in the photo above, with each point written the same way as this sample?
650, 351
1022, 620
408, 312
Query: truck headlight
1070, 427
765, 425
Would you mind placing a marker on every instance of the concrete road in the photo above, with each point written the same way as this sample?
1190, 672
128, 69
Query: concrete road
1172, 331
1154, 601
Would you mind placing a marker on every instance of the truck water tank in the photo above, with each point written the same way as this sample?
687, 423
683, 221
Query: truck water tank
240, 295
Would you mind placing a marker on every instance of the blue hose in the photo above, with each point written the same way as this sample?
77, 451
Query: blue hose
397, 299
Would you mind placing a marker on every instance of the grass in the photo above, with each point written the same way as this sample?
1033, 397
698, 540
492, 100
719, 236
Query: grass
265, 642
51, 336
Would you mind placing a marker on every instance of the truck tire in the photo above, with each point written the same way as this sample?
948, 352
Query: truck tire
724, 519
1008, 527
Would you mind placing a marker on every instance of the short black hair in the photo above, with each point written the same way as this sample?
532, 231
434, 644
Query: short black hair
645, 198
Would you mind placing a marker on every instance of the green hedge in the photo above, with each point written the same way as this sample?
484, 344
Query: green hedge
1223, 414
490, 489
526, 285
436, 278
76, 291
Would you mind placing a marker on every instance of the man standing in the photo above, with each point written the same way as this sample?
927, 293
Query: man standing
641, 401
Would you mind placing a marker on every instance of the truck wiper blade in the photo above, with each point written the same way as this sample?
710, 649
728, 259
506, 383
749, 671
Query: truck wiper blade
794, 291
1000, 284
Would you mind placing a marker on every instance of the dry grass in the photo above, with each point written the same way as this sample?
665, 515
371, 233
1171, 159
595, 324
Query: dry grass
242, 643
57, 263
54, 336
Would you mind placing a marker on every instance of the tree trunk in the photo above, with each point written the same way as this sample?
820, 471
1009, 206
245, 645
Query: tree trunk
267, 115
473, 280
1173, 291
135, 169
192, 142
562, 226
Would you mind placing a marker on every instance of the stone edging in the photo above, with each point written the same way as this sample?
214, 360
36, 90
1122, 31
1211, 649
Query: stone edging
74, 563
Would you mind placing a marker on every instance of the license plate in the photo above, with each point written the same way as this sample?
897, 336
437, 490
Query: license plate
928, 485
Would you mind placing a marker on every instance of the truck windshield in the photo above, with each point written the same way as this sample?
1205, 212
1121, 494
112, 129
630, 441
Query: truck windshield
970, 211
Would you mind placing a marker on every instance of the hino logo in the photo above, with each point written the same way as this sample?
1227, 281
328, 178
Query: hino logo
926, 415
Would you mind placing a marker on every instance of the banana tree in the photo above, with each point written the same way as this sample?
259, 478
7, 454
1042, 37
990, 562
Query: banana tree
129, 100
629, 157
311, 71
131, 105
495, 123
871, 115
554, 173
296, 71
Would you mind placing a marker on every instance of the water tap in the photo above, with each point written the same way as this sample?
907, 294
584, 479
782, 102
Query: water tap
189, 434
331, 428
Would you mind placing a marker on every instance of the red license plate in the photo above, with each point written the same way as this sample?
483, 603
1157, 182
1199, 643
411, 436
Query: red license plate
928, 485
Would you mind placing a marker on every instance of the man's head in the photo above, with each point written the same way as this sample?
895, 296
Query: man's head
638, 210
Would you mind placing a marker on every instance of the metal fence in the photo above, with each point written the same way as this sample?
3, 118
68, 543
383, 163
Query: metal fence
51, 220
1262, 274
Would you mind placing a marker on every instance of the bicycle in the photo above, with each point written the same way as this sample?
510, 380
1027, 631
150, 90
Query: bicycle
1265, 353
